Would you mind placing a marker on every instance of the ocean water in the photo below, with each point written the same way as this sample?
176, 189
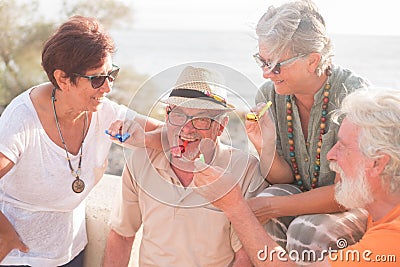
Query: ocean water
151, 52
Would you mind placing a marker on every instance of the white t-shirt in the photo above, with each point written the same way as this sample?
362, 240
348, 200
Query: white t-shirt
36, 194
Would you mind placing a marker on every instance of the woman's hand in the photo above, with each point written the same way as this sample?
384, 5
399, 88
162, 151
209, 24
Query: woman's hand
138, 138
253, 129
261, 132
263, 208
137, 134
9, 239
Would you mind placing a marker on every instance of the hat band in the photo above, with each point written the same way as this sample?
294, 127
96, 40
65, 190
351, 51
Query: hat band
190, 93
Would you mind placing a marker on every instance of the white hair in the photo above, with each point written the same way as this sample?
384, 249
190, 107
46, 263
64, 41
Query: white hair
295, 27
377, 112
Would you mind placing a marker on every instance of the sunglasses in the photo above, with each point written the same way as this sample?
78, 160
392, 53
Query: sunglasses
277, 68
98, 80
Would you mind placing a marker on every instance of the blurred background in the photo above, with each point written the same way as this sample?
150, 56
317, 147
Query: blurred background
154, 35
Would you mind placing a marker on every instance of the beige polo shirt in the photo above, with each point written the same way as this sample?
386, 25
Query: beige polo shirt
179, 227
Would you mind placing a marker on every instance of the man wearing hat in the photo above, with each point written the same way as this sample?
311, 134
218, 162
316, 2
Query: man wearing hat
181, 228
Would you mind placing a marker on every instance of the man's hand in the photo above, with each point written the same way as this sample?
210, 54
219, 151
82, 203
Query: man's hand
214, 185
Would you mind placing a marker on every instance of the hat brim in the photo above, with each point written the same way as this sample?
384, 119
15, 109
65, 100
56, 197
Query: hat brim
196, 103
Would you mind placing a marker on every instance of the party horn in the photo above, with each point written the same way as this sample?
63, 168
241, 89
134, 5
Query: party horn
121, 137
255, 117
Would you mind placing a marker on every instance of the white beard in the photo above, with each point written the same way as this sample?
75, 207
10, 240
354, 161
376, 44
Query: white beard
352, 192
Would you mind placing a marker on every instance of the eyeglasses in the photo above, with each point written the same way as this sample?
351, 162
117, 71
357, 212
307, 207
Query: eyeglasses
199, 123
277, 68
98, 80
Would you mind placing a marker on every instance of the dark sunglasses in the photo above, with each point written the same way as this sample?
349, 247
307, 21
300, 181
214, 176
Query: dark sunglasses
98, 80
277, 68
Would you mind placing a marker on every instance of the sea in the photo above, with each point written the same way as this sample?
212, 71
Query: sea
151, 52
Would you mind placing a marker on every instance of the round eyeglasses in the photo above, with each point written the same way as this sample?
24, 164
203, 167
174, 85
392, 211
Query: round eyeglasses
277, 68
98, 80
198, 122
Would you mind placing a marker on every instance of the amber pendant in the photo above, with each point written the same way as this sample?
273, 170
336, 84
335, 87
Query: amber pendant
78, 185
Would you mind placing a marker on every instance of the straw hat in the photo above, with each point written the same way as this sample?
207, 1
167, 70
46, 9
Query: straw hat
199, 88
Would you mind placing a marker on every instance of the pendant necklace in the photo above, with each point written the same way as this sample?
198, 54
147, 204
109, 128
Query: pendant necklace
78, 185
322, 130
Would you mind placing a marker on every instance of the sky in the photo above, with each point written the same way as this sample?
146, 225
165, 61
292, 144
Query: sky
363, 17
342, 16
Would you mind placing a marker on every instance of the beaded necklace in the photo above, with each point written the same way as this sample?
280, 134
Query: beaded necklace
322, 126
78, 185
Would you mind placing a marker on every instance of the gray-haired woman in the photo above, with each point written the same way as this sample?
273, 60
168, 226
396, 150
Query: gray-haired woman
304, 86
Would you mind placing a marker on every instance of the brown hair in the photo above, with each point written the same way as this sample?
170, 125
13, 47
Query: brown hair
78, 45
